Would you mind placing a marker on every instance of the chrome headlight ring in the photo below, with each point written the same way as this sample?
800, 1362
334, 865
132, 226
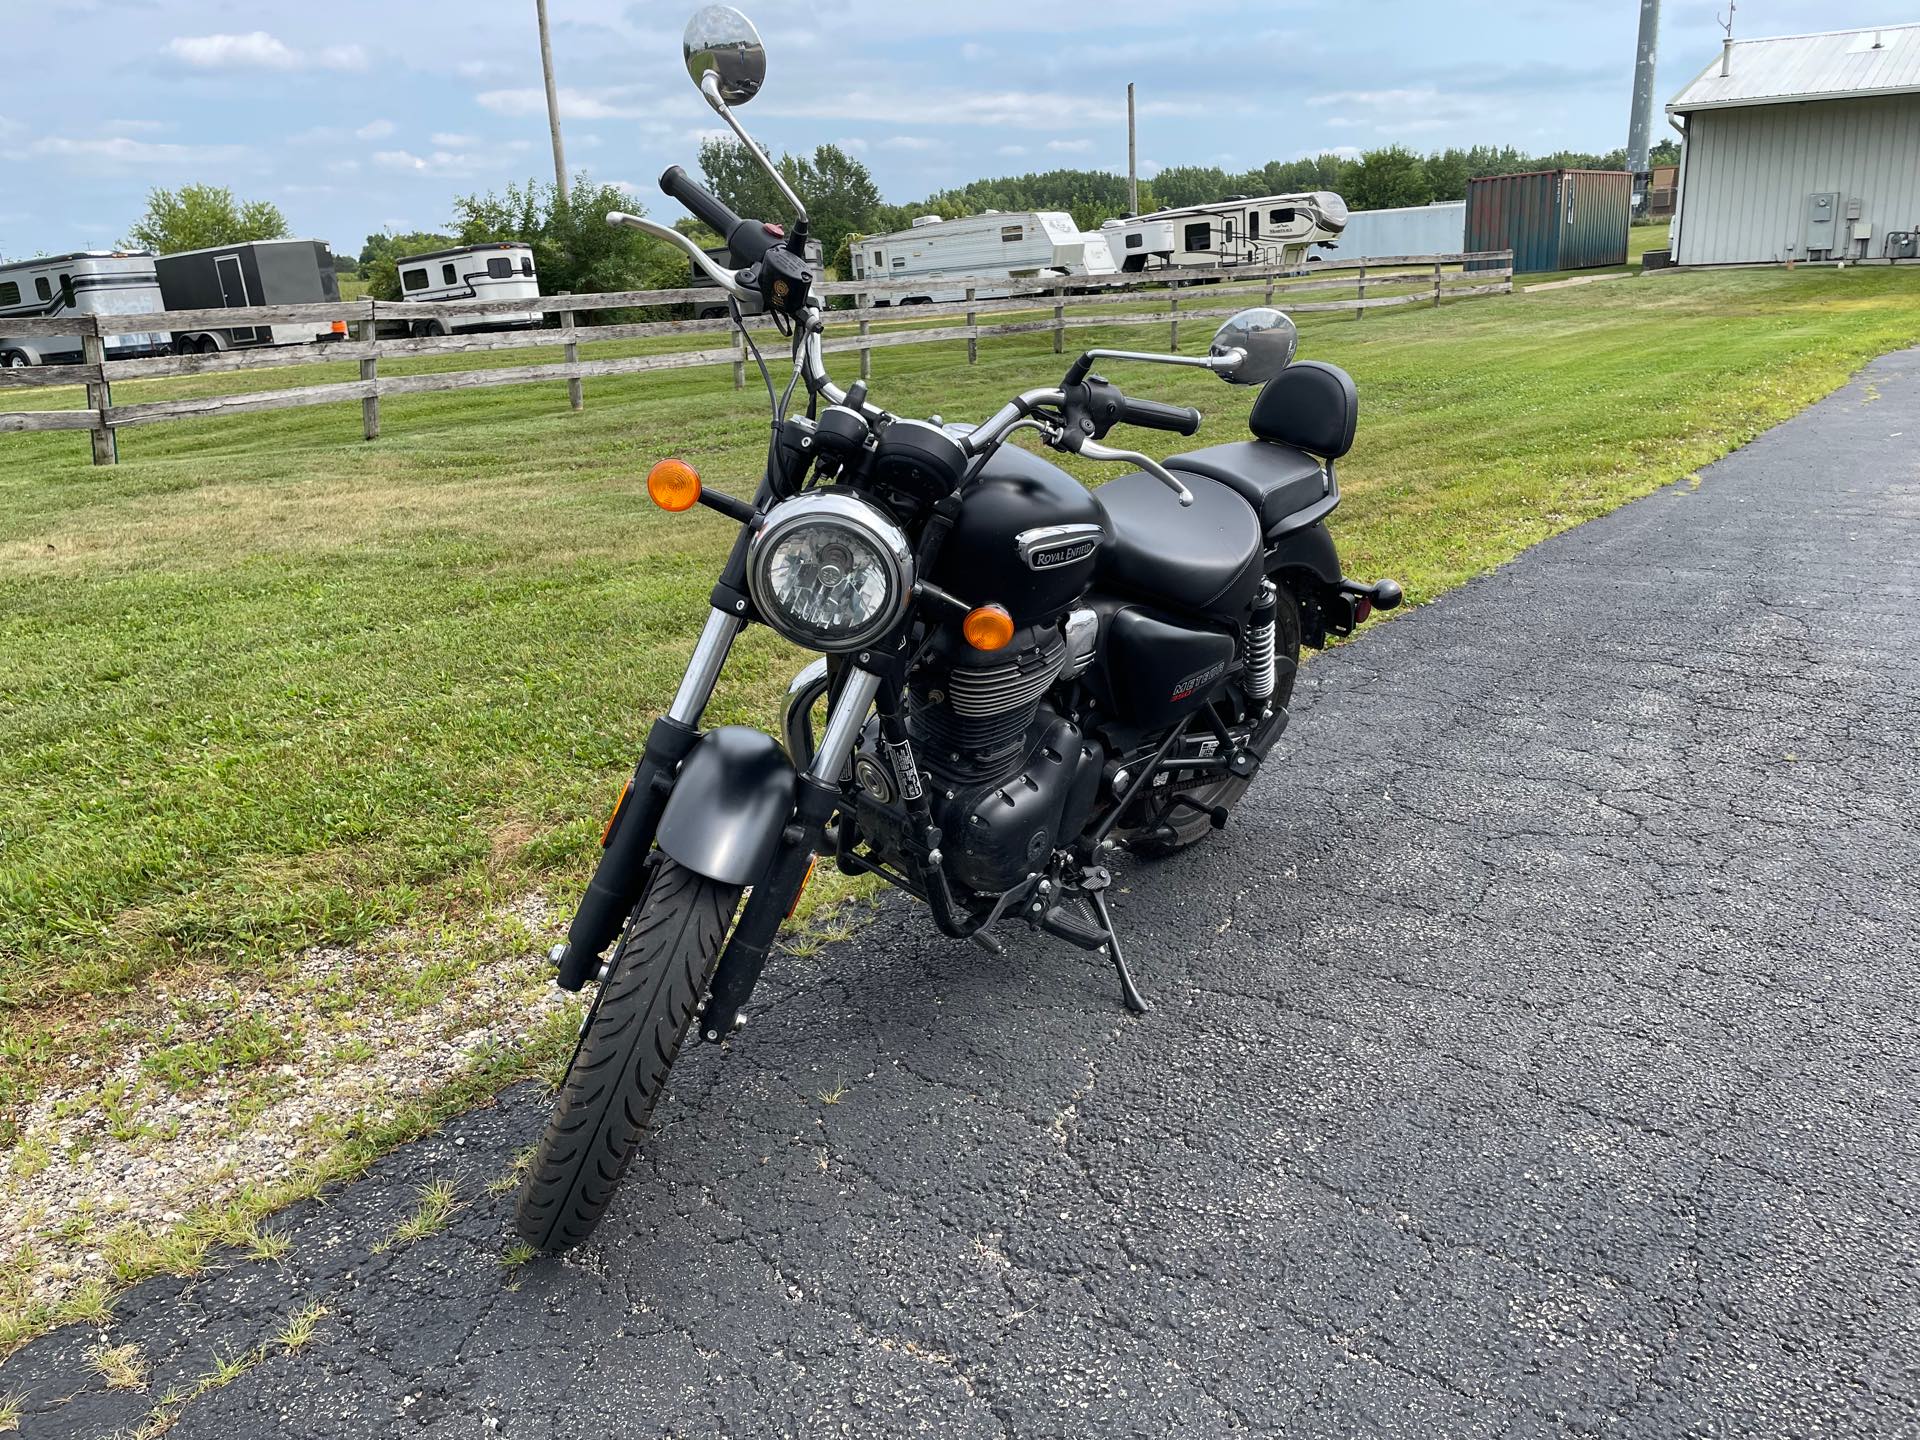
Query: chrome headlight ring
830, 571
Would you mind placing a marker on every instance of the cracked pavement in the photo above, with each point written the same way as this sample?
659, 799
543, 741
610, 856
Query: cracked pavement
1534, 1055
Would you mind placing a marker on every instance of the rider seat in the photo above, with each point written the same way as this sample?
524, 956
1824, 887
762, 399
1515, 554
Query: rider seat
1304, 418
1203, 557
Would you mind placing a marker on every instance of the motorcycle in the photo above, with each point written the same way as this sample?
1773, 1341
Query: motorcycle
1020, 676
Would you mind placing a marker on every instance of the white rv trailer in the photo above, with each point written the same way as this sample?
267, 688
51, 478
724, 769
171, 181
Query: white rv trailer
92, 282
497, 270
1029, 247
1263, 230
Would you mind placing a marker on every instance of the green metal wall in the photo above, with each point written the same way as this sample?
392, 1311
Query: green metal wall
1552, 219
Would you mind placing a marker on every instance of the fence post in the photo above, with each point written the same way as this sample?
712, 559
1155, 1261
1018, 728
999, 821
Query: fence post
1509, 272
1436, 284
739, 359
576, 393
1173, 327
1360, 310
1059, 319
106, 445
863, 304
370, 371
973, 341
1269, 287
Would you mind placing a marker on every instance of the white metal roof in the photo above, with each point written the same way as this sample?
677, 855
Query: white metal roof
1837, 64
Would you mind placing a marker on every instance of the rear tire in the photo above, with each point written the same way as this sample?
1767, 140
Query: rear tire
632, 1034
1189, 825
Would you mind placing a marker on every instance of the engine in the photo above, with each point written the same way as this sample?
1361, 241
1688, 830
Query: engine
1008, 778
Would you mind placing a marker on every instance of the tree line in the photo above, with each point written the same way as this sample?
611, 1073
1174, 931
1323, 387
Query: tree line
575, 250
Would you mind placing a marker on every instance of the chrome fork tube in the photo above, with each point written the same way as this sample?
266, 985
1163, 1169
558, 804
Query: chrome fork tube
703, 670
844, 722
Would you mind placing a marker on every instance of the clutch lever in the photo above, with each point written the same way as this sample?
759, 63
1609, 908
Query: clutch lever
1094, 450
720, 276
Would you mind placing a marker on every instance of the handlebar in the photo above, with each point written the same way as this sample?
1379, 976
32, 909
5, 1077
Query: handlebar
746, 240
1152, 415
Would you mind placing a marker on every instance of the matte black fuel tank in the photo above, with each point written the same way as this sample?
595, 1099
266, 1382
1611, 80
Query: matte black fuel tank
1017, 493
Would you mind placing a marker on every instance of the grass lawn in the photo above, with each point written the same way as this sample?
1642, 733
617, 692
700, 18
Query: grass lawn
266, 687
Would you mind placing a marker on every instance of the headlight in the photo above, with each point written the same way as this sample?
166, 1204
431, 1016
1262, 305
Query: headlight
830, 572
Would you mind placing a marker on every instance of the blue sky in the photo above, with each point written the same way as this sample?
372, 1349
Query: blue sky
354, 116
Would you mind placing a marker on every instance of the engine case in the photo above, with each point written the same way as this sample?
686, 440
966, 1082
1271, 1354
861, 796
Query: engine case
997, 832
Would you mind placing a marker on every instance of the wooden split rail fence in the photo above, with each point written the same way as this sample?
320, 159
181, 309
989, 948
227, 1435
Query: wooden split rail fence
1177, 296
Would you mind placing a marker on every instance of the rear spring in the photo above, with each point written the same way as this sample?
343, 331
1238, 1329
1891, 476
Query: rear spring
1259, 682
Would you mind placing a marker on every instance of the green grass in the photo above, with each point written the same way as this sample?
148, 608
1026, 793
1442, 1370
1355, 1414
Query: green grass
265, 685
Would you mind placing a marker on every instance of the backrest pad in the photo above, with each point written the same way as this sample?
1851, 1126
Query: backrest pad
1310, 404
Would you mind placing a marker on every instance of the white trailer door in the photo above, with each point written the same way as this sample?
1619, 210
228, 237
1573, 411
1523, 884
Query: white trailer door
233, 295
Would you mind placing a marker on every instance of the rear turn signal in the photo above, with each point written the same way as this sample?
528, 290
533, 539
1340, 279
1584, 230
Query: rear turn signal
987, 628
674, 485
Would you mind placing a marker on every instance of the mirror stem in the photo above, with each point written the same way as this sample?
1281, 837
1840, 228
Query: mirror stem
710, 87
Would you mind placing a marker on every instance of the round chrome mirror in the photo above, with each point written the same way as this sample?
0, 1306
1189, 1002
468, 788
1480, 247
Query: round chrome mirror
722, 41
1266, 342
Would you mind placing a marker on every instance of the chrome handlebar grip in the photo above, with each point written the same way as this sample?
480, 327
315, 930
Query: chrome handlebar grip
720, 276
1092, 450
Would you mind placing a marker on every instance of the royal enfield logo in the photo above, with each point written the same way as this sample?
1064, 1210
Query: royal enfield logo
1062, 554
1051, 546
1198, 680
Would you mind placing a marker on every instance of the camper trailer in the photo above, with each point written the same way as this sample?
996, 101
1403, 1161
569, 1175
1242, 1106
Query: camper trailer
499, 270
1264, 230
260, 272
92, 282
716, 308
1027, 246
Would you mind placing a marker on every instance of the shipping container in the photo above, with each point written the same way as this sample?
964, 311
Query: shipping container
1552, 219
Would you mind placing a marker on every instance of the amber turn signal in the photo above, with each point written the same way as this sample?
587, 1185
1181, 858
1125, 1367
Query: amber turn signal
989, 627
674, 485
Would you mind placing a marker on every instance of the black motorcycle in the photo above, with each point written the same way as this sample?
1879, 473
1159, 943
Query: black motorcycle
1018, 675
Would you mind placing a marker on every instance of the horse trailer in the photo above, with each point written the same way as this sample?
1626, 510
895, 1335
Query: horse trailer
89, 282
236, 277
1029, 247
501, 270
1263, 230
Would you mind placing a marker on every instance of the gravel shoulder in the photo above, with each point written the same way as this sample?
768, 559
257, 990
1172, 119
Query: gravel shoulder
1537, 1058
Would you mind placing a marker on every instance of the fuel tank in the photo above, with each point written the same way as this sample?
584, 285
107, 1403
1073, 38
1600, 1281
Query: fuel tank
1026, 539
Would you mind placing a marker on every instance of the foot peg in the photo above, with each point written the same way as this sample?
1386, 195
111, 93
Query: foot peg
1381, 595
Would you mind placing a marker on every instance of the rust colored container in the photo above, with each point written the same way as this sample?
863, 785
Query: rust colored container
1552, 219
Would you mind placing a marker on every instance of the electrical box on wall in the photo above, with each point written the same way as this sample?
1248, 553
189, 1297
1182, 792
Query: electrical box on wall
1823, 210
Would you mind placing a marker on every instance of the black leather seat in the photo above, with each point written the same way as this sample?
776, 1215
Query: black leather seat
1309, 409
1203, 557
1277, 480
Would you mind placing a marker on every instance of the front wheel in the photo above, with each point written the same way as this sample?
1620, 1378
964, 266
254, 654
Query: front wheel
633, 1032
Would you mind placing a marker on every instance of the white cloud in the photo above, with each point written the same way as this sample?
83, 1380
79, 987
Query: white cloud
440, 162
374, 130
613, 103
1069, 147
907, 142
1022, 109
1012, 150
971, 51
449, 141
117, 152
10, 126
855, 146
257, 50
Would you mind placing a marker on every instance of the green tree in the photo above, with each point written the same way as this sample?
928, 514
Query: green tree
1667, 152
1448, 172
1384, 179
1182, 185
574, 248
196, 216
839, 192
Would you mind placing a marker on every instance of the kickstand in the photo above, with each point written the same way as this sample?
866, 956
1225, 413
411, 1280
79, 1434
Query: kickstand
1095, 886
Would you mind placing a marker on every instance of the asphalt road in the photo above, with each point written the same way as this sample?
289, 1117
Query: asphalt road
1538, 1058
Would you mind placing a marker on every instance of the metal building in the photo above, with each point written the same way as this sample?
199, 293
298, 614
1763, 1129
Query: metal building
1437, 229
1803, 147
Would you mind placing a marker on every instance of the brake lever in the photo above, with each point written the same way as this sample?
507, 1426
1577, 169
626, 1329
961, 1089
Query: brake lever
1094, 450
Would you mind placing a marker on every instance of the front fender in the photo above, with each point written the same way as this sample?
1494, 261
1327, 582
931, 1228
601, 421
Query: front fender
732, 798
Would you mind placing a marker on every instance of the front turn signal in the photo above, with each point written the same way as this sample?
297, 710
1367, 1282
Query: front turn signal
674, 485
989, 627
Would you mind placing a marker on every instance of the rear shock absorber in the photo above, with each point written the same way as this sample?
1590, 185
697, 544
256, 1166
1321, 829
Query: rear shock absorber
1259, 681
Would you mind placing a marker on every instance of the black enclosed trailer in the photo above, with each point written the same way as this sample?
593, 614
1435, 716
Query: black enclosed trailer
260, 272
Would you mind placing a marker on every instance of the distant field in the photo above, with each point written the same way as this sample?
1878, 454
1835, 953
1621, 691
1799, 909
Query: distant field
265, 686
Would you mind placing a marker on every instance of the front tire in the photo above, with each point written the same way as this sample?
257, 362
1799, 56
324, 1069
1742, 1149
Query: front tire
633, 1032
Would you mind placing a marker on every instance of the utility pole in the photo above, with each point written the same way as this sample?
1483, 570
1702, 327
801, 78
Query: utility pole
1640, 127
553, 104
1133, 166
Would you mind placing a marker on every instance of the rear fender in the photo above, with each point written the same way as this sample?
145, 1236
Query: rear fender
732, 798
